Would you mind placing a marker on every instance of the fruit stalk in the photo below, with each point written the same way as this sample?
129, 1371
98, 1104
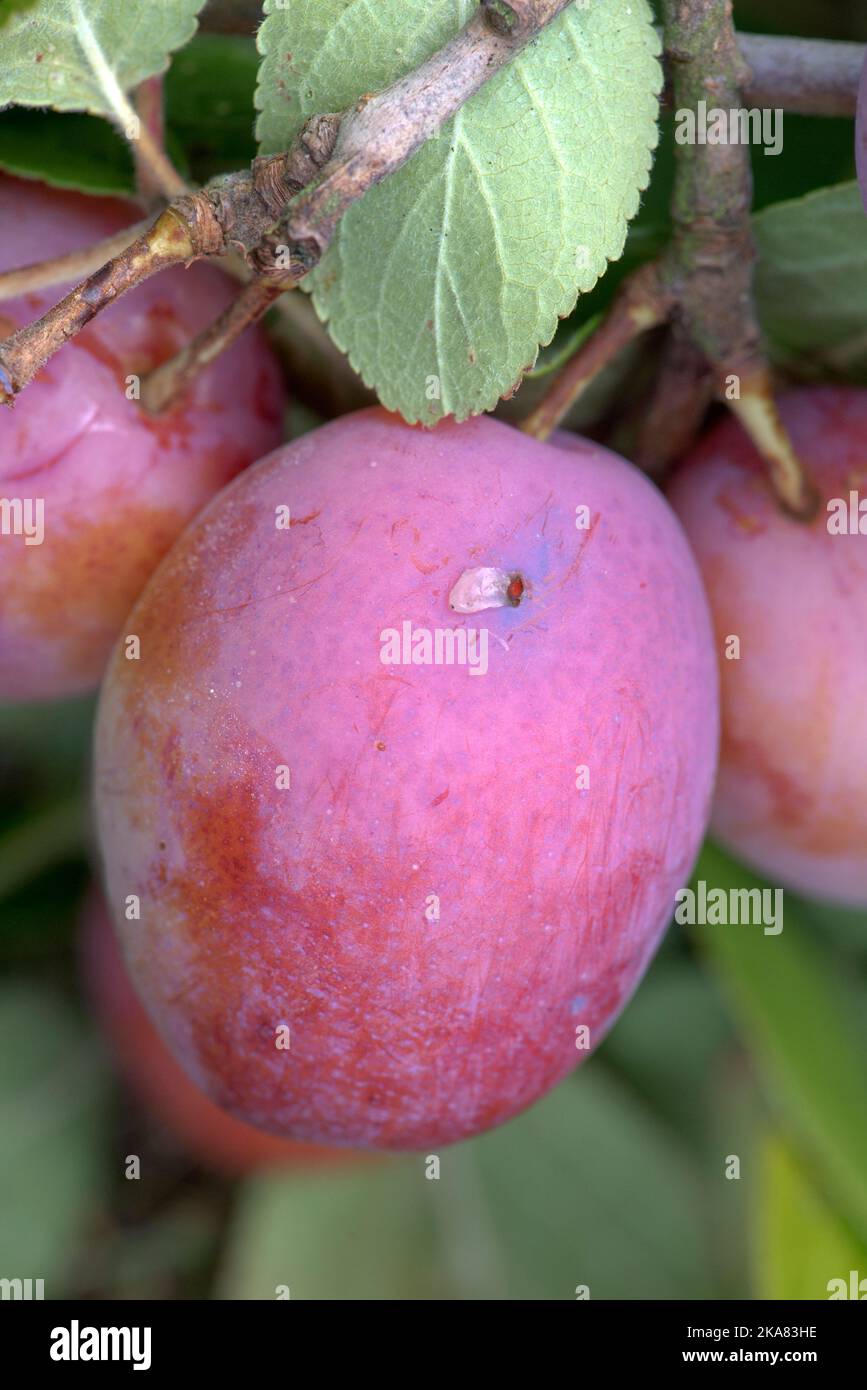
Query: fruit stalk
156, 177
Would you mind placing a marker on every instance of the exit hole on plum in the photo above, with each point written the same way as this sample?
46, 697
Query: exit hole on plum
487, 587
515, 591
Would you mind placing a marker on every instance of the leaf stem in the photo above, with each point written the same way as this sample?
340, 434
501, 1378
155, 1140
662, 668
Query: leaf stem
168, 382
156, 176
642, 302
75, 265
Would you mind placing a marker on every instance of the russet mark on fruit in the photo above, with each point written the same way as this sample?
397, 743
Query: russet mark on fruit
426, 900
116, 485
211, 1136
791, 797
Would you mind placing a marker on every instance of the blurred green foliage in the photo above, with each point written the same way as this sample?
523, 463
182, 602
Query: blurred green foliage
736, 1045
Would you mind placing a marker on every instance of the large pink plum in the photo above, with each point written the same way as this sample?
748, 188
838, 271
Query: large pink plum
207, 1133
440, 901
116, 486
792, 793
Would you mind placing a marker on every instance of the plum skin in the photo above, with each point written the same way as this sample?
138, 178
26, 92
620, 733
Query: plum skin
791, 798
307, 906
207, 1133
117, 485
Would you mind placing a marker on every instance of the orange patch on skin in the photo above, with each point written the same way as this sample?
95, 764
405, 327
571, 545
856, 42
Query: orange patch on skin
75, 588
835, 832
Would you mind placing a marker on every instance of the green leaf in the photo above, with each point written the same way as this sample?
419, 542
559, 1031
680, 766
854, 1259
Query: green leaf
801, 1244
447, 277
563, 347
811, 282
71, 151
584, 1188
10, 7
797, 1012
52, 1088
84, 55
209, 103
675, 1001
53, 834
588, 1188
360, 1233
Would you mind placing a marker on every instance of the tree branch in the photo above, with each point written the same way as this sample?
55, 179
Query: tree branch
708, 265
166, 243
238, 213
808, 77
381, 133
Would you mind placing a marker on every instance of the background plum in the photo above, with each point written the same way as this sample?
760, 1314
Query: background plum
211, 1136
404, 864
792, 792
117, 485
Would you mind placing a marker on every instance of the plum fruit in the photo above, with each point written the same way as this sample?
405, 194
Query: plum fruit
418, 750
208, 1134
93, 491
791, 798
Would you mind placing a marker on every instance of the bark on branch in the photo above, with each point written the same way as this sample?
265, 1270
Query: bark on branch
335, 160
382, 132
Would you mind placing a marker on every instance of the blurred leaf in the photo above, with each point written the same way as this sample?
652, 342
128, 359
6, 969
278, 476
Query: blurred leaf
209, 103
52, 1088
363, 1233
817, 151
801, 1245
588, 1188
145, 1259
738, 1115
82, 55
48, 837
83, 153
38, 923
10, 7
584, 1188
846, 927
669, 1040
50, 741
811, 281
209, 126
795, 1010
505, 216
